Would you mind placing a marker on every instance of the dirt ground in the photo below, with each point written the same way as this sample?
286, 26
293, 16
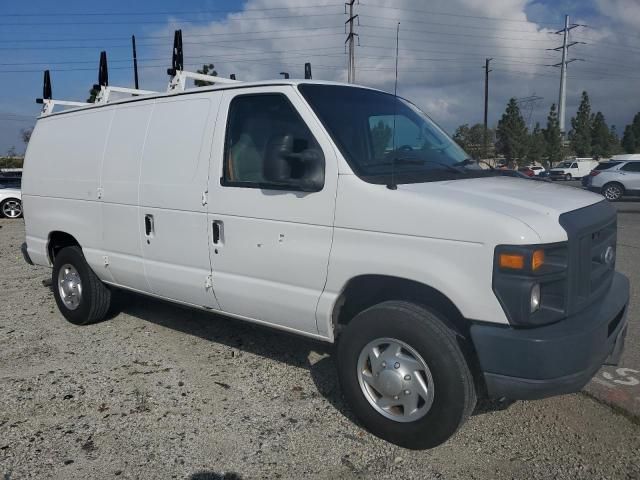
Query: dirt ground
160, 391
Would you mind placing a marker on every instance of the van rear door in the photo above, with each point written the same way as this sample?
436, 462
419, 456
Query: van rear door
173, 184
271, 232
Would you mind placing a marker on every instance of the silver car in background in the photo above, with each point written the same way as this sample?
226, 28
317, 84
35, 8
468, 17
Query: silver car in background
616, 178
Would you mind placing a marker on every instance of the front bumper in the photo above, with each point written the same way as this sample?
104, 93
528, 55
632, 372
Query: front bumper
532, 363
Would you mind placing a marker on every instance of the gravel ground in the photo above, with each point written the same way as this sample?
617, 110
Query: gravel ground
163, 392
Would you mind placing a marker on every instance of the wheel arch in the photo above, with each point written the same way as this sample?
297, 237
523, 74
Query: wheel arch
58, 240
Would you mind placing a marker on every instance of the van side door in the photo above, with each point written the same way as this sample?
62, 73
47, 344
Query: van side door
173, 194
272, 207
119, 183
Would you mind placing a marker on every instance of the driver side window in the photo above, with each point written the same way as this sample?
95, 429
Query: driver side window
268, 145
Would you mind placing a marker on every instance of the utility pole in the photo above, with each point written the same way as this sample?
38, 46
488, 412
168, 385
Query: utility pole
486, 106
566, 44
135, 61
351, 73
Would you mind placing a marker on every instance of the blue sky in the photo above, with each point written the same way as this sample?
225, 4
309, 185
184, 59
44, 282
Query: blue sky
440, 65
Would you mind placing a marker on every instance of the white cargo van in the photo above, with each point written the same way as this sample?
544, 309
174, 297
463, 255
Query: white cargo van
341, 213
573, 169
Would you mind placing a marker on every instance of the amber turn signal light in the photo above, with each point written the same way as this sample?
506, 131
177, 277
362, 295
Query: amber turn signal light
511, 260
537, 260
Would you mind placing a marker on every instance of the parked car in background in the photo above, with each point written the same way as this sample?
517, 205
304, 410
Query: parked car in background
616, 178
536, 169
573, 169
526, 171
10, 182
10, 202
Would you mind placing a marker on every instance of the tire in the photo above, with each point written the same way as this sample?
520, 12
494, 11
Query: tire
612, 191
567, 177
81, 297
11, 208
448, 378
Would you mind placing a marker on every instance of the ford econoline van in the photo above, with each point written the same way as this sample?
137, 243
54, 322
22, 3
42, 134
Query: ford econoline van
341, 213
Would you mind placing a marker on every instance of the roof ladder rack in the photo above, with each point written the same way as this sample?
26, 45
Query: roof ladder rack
105, 89
179, 75
47, 101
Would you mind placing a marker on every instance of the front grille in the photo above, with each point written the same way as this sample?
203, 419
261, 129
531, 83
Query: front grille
591, 232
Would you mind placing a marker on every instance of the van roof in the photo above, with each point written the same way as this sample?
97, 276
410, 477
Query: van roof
211, 88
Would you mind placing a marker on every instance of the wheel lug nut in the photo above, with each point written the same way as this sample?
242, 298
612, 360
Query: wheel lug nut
407, 392
384, 364
397, 365
396, 397
407, 377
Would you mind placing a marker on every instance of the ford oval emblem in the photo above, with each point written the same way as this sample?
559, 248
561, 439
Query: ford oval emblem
609, 256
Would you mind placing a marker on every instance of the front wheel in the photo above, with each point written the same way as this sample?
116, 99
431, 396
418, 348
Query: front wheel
11, 208
567, 177
81, 297
612, 191
402, 372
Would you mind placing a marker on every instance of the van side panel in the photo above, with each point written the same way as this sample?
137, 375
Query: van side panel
61, 180
119, 182
174, 178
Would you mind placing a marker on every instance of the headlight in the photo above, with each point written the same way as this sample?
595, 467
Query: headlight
530, 281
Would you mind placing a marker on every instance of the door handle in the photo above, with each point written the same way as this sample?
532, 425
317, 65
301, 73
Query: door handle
217, 232
148, 225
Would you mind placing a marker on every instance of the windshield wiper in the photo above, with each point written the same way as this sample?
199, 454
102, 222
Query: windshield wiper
469, 161
416, 161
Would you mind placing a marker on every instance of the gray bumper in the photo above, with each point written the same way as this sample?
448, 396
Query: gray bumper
524, 364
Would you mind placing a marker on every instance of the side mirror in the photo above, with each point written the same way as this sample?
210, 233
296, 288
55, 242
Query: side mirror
299, 171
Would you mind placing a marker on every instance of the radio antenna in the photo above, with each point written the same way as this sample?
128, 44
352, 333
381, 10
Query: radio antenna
392, 185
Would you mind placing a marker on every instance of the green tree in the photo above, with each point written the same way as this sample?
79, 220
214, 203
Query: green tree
537, 145
580, 134
614, 141
471, 139
600, 137
207, 69
631, 137
553, 137
380, 136
512, 134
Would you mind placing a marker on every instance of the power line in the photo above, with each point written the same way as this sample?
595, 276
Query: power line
152, 22
188, 12
81, 47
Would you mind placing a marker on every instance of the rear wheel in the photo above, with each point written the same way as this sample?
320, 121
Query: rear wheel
11, 208
81, 297
613, 191
404, 375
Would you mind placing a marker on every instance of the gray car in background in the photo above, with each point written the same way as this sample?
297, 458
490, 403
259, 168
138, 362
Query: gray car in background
616, 178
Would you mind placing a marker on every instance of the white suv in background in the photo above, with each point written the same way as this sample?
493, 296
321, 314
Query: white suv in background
617, 177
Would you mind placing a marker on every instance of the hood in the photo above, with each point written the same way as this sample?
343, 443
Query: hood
536, 204
490, 210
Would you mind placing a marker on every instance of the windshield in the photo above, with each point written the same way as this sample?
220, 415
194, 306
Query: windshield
565, 165
381, 135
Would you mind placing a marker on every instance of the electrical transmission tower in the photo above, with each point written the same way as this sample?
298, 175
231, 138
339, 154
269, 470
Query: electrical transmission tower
566, 44
485, 137
351, 36
527, 106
